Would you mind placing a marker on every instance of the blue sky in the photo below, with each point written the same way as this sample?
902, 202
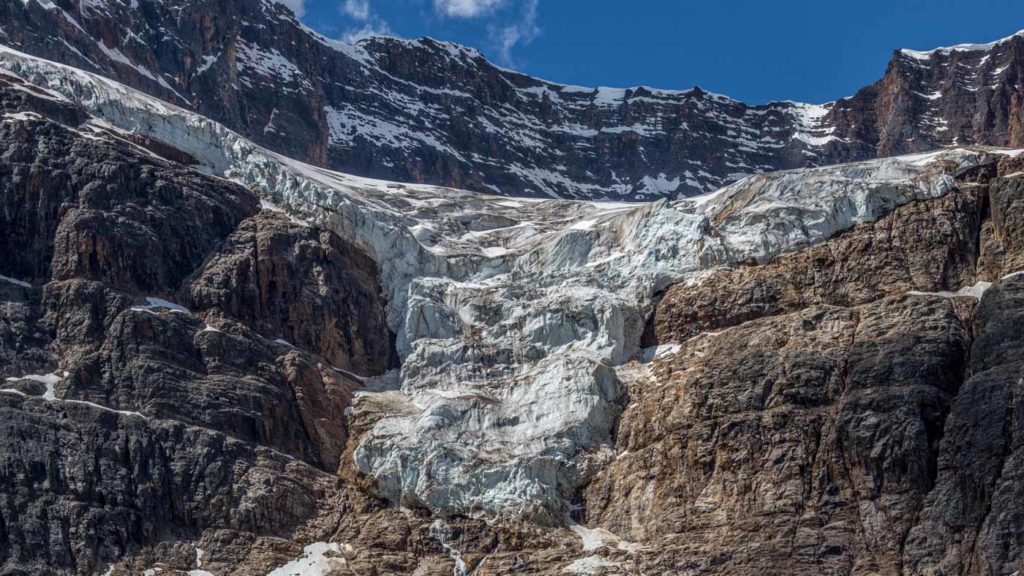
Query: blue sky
756, 51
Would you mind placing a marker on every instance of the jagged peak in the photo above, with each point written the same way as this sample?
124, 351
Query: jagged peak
451, 48
945, 50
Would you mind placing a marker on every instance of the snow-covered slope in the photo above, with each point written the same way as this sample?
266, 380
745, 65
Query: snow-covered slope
947, 50
512, 314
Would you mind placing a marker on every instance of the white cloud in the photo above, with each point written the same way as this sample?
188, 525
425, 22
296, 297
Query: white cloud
376, 28
297, 6
509, 23
372, 24
357, 9
519, 34
466, 8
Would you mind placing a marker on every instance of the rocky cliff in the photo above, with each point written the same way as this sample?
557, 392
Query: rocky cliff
433, 112
846, 409
149, 391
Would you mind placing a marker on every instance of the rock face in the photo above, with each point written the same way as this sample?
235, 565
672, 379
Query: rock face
127, 419
301, 284
971, 520
940, 97
434, 112
787, 444
832, 440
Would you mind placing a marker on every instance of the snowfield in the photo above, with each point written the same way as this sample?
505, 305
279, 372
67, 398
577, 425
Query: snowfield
512, 314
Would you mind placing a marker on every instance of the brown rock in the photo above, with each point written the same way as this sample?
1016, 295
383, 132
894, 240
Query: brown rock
795, 444
1003, 239
301, 284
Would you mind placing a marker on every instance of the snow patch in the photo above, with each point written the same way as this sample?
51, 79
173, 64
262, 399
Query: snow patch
15, 281
661, 185
976, 290
810, 121
21, 116
926, 55
589, 566
154, 303
584, 225
319, 559
269, 63
208, 61
198, 571
50, 380
659, 351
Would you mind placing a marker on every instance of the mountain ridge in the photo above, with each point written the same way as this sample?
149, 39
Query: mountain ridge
428, 111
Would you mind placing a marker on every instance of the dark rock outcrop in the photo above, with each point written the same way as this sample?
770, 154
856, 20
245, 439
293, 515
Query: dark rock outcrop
74, 208
292, 281
971, 521
85, 485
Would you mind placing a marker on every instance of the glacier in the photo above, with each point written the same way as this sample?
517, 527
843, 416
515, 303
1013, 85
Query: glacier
512, 315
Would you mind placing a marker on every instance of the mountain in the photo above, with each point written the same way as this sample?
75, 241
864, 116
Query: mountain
221, 360
424, 111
